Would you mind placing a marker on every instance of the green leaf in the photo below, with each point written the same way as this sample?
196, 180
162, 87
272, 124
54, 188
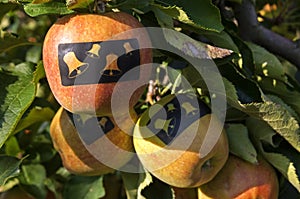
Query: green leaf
12, 147
278, 118
240, 144
157, 189
163, 16
185, 44
135, 182
34, 53
33, 174
6, 7
278, 100
84, 187
17, 92
200, 14
266, 63
262, 133
39, 73
34, 10
9, 41
9, 167
37, 114
282, 90
221, 39
33, 177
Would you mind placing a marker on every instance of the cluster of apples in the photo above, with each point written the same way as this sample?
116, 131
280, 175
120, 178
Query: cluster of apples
84, 56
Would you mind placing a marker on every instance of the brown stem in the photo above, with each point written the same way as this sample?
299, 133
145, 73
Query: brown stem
251, 30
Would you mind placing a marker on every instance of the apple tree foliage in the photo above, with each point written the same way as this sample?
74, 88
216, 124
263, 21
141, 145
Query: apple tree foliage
255, 45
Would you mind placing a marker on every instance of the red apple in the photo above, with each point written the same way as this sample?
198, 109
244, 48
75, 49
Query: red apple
84, 55
239, 179
91, 152
185, 193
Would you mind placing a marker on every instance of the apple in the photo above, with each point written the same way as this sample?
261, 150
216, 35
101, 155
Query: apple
168, 138
86, 149
239, 179
185, 193
86, 55
15, 193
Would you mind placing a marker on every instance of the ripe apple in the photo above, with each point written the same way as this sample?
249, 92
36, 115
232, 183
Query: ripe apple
185, 193
86, 149
85, 55
239, 179
168, 138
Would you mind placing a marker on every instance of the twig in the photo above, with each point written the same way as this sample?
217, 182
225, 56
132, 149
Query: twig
251, 30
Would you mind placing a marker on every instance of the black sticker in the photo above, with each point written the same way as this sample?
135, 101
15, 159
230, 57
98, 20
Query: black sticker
97, 62
181, 112
92, 128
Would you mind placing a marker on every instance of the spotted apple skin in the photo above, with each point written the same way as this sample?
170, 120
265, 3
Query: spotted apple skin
86, 158
239, 179
94, 98
170, 149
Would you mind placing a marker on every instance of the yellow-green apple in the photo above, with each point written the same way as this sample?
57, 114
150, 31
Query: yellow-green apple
85, 55
91, 145
169, 137
239, 179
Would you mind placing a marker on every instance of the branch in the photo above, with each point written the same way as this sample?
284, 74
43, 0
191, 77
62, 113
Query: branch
251, 30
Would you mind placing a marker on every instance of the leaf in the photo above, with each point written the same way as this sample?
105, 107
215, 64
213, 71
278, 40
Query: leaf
278, 100
266, 63
221, 39
17, 92
34, 10
12, 147
240, 144
84, 187
40, 1
200, 14
278, 118
246, 89
5, 8
33, 54
135, 182
35, 115
185, 44
275, 114
163, 15
282, 90
9, 168
33, 177
263, 133
157, 189
73, 4
33, 174
9, 41
39, 72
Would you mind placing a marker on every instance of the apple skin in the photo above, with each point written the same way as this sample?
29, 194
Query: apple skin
77, 159
15, 193
96, 97
185, 193
239, 179
179, 164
